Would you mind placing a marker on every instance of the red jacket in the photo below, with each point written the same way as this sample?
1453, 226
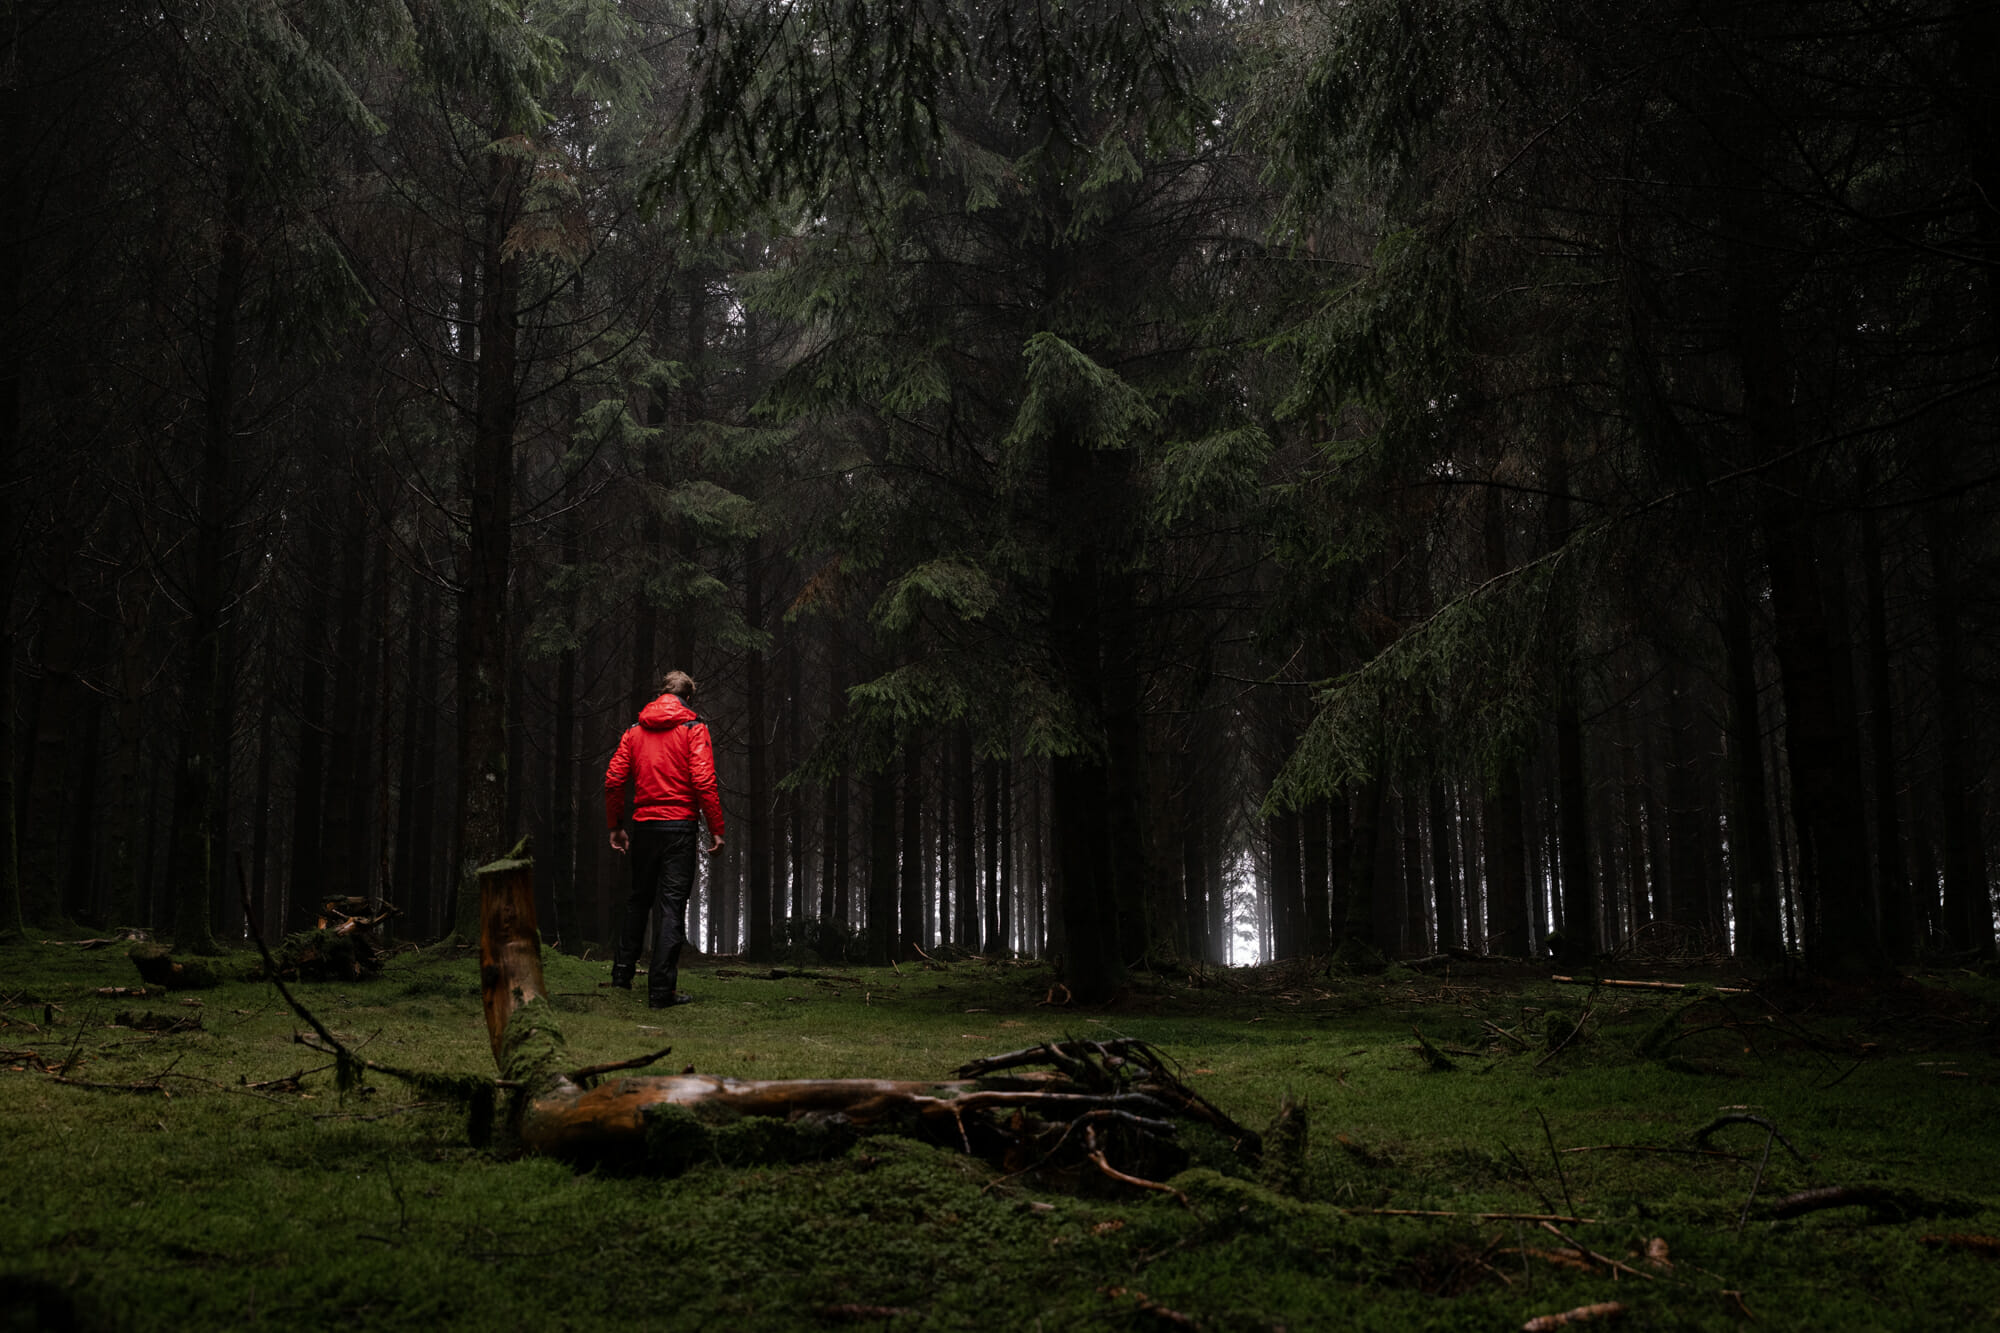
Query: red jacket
669, 761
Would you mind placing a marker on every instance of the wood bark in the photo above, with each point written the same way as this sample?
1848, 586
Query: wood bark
1122, 1088
483, 648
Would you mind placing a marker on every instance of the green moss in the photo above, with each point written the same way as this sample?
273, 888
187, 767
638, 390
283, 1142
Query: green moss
533, 1052
298, 1206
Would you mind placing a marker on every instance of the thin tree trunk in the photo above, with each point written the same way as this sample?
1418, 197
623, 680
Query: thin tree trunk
965, 841
909, 939
989, 879
757, 805
1006, 834
881, 923
1582, 930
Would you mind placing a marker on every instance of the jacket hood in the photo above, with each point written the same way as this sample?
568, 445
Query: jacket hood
665, 711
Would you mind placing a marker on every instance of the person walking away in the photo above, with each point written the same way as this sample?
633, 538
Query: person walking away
669, 764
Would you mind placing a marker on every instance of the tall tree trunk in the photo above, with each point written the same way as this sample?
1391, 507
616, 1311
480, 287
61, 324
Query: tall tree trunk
1504, 818
965, 841
198, 819
1968, 903
1582, 931
483, 651
795, 887
757, 803
13, 209
48, 781
565, 830
909, 938
1899, 931
1444, 867
989, 878
346, 771
1363, 923
1415, 936
309, 781
881, 924
1081, 785
1281, 834
1759, 931
1005, 894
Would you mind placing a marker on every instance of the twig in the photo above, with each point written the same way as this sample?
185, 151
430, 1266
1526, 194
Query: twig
1477, 1217
342, 1055
1096, 1155
1645, 1147
1548, 1323
1593, 1255
1701, 1135
111, 1087
1757, 1180
1556, 1157
1649, 985
1529, 1176
637, 1062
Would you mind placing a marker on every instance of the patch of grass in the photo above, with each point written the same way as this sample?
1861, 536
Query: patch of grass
216, 1176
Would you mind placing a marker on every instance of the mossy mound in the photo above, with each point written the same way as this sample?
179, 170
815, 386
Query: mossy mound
327, 955
158, 967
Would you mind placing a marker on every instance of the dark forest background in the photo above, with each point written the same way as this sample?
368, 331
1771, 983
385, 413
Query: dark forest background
1139, 481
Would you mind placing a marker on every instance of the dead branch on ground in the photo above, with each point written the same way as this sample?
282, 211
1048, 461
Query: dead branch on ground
1122, 1096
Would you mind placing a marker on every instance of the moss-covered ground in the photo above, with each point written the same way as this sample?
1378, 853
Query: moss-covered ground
212, 1174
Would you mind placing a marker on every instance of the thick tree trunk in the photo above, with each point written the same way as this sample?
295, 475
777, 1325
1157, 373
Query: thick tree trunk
1968, 903
1281, 834
13, 209
1083, 788
1892, 878
1759, 931
198, 819
483, 650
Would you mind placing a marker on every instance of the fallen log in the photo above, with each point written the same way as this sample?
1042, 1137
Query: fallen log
1099, 1099
158, 967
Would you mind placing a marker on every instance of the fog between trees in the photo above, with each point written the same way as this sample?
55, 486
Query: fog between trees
1149, 483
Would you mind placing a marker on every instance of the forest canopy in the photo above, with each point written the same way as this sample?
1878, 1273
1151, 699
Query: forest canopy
1140, 481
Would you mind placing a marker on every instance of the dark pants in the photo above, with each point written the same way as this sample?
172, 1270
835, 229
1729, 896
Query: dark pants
663, 853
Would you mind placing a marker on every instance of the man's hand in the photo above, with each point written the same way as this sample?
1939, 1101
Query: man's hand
714, 845
621, 841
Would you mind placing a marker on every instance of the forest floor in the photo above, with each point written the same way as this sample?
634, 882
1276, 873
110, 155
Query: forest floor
178, 1161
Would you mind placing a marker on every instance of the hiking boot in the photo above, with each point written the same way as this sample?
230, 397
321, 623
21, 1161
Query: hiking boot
668, 1002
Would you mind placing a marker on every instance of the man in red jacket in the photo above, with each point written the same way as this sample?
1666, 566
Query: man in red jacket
670, 765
